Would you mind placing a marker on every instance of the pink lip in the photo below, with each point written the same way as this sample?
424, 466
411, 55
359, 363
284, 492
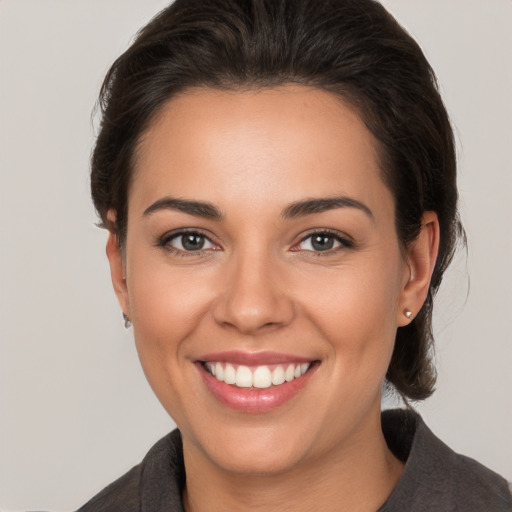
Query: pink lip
253, 358
251, 400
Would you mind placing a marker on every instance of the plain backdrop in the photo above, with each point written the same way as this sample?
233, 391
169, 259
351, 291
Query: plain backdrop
76, 411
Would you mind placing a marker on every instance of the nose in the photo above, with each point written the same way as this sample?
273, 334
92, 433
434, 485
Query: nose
253, 298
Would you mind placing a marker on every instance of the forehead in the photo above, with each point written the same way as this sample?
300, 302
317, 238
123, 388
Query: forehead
287, 142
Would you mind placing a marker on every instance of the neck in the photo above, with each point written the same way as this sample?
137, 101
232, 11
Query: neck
358, 477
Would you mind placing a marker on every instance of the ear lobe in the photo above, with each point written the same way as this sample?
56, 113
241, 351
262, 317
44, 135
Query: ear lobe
421, 258
117, 272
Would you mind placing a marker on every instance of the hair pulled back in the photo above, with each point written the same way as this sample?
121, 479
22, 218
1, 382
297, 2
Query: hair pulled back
352, 48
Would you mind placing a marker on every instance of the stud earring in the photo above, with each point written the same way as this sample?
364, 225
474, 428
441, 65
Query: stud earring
127, 321
408, 313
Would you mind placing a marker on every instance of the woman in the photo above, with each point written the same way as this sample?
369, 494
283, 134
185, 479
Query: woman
278, 181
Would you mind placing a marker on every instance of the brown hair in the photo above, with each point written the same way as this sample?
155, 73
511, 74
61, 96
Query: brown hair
353, 48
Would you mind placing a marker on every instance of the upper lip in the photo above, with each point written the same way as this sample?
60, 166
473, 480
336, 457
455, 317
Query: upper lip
253, 358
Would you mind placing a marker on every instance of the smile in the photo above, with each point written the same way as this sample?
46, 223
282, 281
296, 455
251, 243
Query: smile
255, 382
260, 377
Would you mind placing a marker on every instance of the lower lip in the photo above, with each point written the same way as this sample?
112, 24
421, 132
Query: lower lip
251, 399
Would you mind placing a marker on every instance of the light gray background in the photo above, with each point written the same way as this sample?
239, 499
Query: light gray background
76, 411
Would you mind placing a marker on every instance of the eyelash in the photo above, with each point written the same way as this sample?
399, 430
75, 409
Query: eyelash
344, 241
164, 242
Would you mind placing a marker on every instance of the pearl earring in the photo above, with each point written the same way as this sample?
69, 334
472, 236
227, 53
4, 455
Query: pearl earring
408, 314
127, 321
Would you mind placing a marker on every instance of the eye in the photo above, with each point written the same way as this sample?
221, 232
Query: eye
322, 242
189, 241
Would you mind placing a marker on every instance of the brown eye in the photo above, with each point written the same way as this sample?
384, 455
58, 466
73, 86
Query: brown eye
322, 242
192, 241
189, 242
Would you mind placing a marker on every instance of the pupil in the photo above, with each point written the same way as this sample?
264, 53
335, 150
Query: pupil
322, 242
193, 242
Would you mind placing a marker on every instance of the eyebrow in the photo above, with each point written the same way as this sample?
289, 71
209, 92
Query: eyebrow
292, 211
197, 208
311, 206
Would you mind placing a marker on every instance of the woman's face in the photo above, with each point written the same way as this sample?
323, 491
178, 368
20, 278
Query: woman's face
261, 246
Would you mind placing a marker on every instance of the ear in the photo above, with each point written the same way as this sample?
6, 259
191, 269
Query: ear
117, 268
421, 259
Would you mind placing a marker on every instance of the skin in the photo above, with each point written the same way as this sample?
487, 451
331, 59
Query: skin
258, 285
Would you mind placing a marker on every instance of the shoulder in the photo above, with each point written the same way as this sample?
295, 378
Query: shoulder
159, 476
435, 477
123, 494
478, 485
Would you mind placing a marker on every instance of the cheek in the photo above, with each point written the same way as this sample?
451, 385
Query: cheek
355, 310
165, 300
167, 306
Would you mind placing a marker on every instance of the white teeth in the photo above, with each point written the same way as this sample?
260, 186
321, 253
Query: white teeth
289, 374
229, 374
210, 367
243, 377
219, 371
278, 376
260, 377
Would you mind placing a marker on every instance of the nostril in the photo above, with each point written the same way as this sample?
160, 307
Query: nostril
249, 324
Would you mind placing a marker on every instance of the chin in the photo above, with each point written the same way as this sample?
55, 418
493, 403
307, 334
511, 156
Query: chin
257, 451
265, 463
